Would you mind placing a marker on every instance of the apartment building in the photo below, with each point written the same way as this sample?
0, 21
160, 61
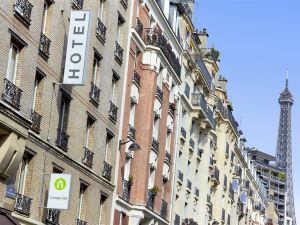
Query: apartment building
273, 179
153, 76
48, 127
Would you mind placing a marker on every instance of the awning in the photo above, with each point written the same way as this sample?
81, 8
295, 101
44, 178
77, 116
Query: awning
6, 218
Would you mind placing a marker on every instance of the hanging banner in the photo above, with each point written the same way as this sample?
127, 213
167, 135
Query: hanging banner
77, 48
59, 191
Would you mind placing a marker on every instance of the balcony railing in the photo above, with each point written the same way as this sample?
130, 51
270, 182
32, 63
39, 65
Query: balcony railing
155, 144
22, 204
139, 27
113, 111
150, 199
136, 78
77, 4
159, 93
180, 176
23, 9
62, 140
101, 30
168, 157
164, 209
36, 121
131, 132
107, 169
95, 94
44, 45
232, 121
215, 175
192, 143
183, 132
81, 222
204, 71
119, 52
12, 94
88, 157
53, 217
156, 38
126, 190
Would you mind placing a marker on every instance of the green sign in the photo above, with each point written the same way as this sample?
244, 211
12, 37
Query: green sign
60, 184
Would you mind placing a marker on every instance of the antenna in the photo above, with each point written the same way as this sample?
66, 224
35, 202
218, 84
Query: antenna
287, 79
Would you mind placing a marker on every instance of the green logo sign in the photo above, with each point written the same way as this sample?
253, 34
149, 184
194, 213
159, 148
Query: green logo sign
60, 184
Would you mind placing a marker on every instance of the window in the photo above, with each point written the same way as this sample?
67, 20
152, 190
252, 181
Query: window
37, 92
45, 17
82, 202
96, 65
24, 173
114, 87
64, 112
121, 21
89, 141
108, 145
101, 10
102, 208
13, 57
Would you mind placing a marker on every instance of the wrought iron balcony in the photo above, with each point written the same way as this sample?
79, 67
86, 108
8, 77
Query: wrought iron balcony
101, 30
44, 45
36, 121
232, 121
155, 144
22, 204
168, 157
199, 62
139, 27
53, 217
23, 10
180, 176
183, 132
131, 132
164, 209
159, 93
150, 199
126, 190
81, 222
241, 208
119, 52
77, 4
192, 143
107, 169
88, 157
197, 192
156, 38
136, 78
94, 94
113, 112
62, 139
12, 94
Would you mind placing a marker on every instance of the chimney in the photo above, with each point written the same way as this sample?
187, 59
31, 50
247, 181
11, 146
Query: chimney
203, 35
222, 83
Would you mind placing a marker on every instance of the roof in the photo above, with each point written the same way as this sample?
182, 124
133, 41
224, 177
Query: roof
262, 155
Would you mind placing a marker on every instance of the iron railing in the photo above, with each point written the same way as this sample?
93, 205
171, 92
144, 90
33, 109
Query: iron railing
22, 204
139, 27
107, 169
150, 199
136, 78
119, 52
164, 209
44, 46
12, 94
62, 139
126, 190
81, 222
159, 93
113, 111
77, 4
131, 131
232, 121
36, 120
53, 217
88, 157
94, 93
156, 38
101, 30
155, 144
24, 8
199, 62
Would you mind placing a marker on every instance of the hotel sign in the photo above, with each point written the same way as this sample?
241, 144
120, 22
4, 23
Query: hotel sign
77, 48
59, 191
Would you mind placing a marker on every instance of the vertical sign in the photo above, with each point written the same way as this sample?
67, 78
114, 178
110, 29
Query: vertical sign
77, 48
59, 191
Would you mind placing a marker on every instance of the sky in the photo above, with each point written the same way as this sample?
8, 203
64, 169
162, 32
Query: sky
258, 41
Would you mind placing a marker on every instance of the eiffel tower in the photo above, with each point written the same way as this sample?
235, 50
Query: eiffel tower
284, 148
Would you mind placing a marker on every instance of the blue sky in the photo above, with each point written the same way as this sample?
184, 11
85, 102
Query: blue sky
258, 40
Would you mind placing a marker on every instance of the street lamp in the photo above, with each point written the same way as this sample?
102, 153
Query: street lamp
133, 147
